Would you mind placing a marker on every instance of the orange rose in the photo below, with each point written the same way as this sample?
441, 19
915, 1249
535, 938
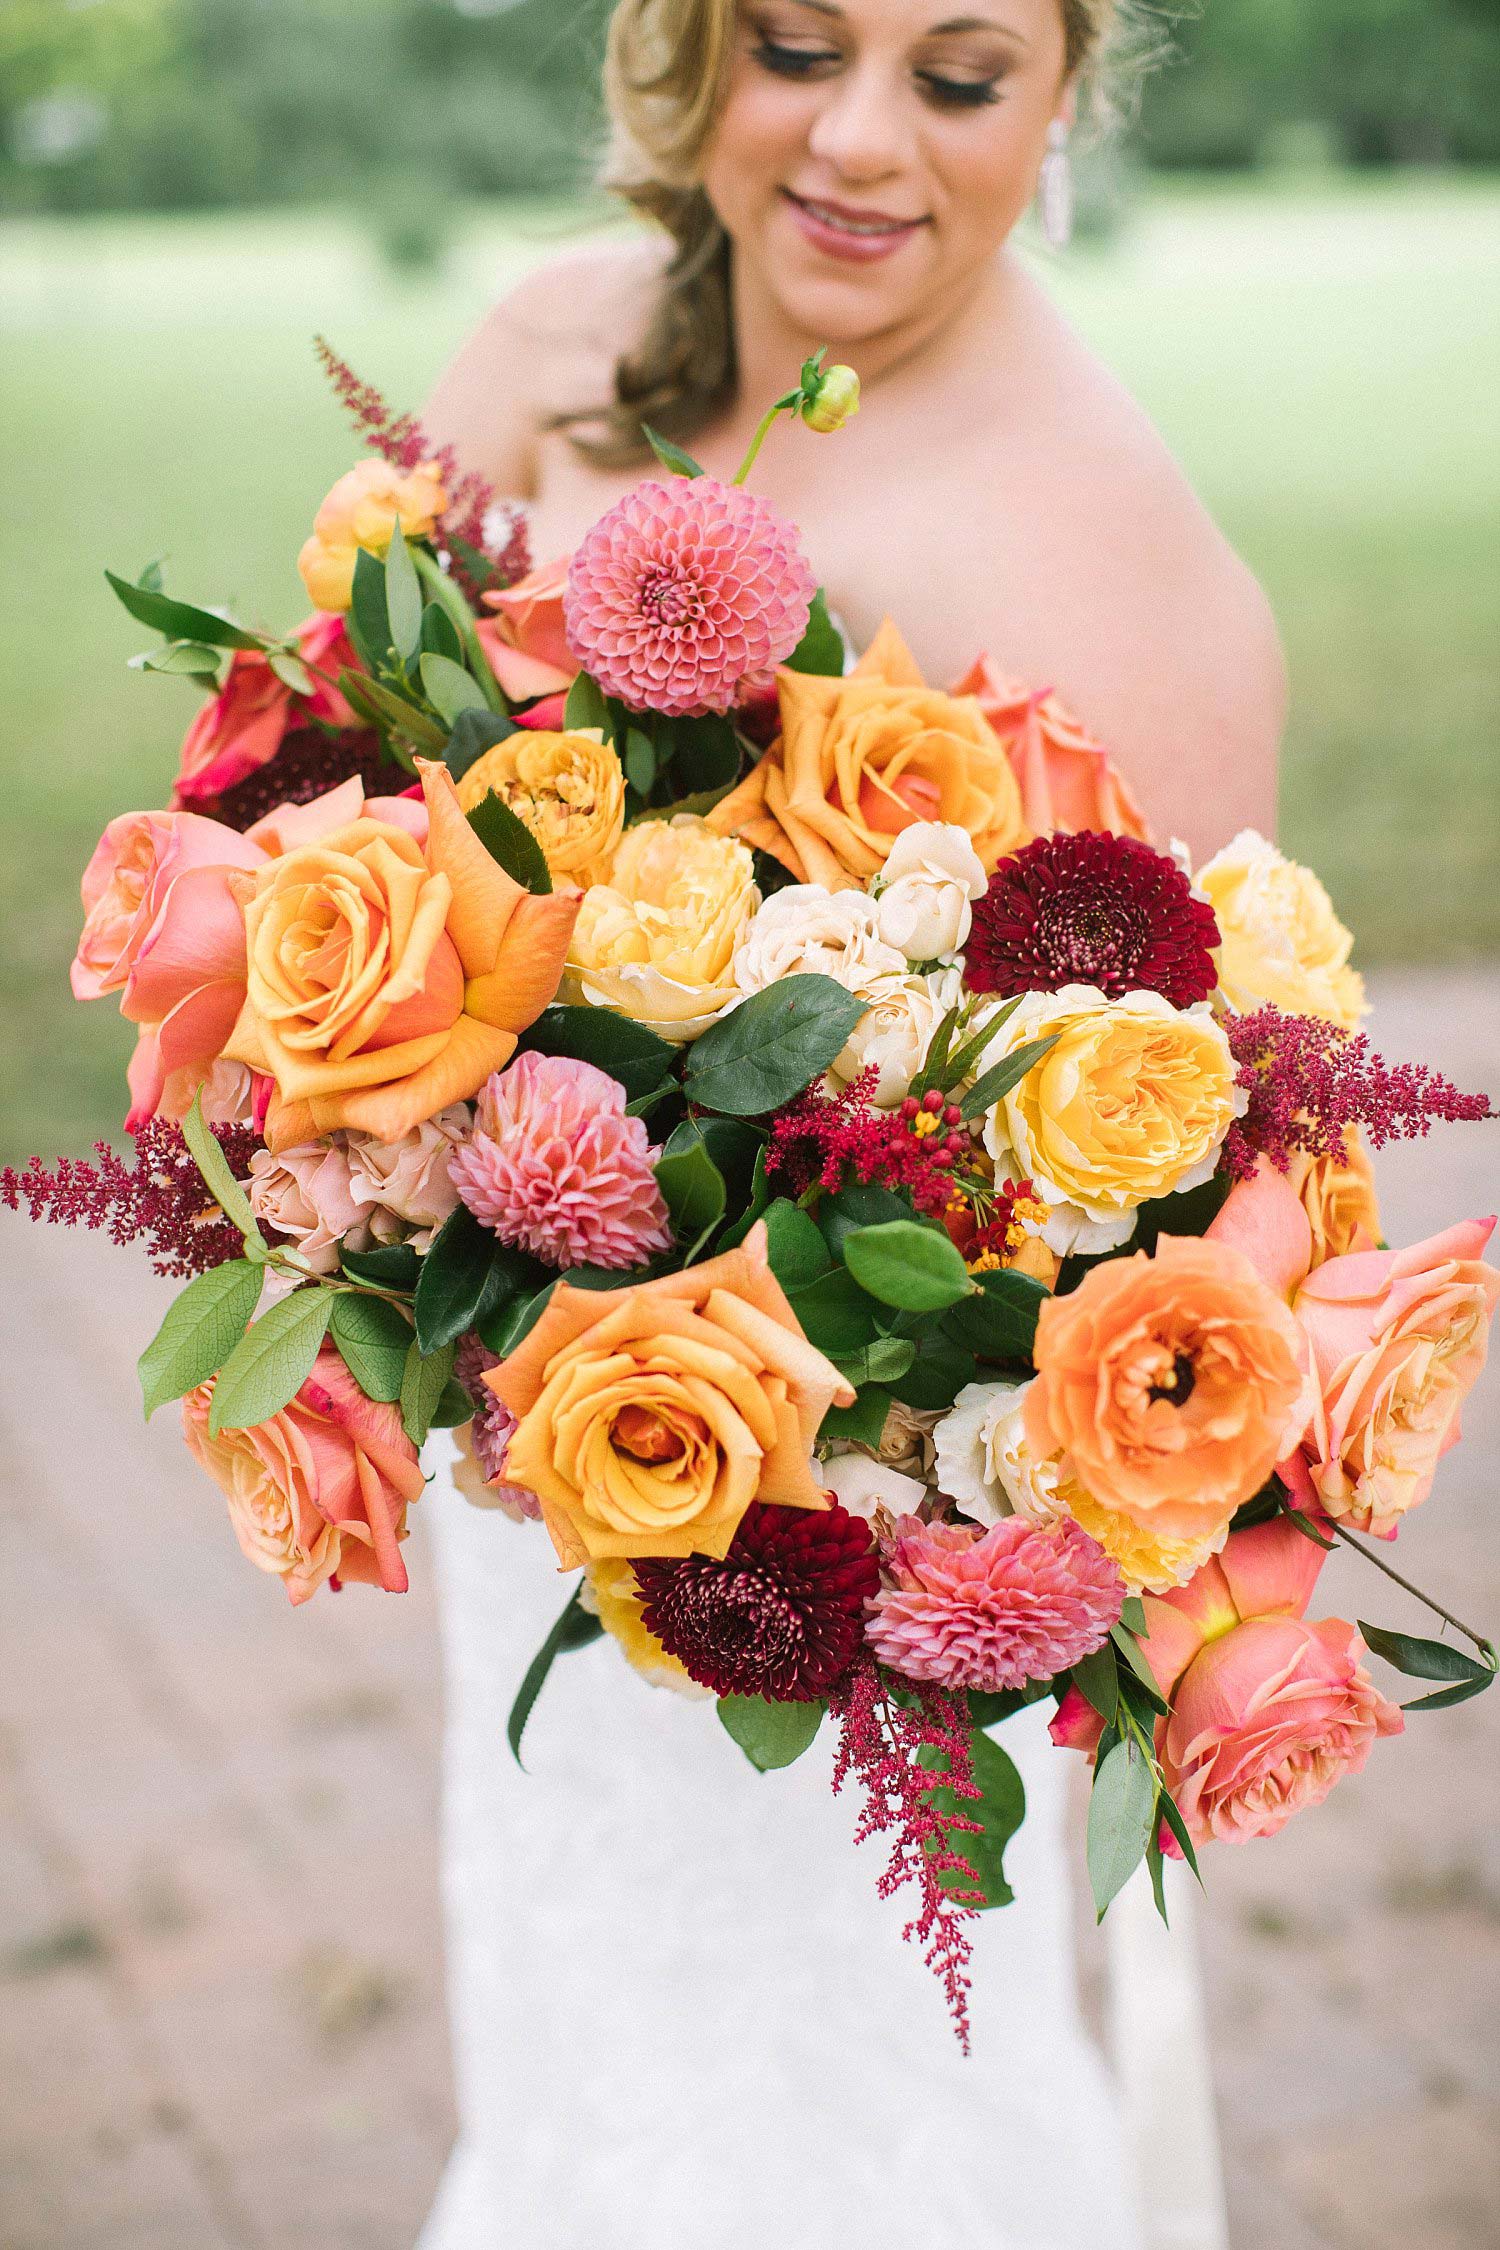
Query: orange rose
649, 1418
859, 759
1174, 1384
1068, 781
386, 979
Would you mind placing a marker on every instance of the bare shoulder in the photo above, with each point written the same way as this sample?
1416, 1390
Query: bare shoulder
551, 342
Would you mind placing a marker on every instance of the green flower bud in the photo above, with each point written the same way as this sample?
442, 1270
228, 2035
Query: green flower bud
830, 398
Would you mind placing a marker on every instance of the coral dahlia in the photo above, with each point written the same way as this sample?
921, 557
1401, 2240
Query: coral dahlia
781, 1616
686, 596
992, 1609
1092, 909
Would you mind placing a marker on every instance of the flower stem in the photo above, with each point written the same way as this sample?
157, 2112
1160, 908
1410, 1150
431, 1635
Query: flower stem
763, 431
1485, 1648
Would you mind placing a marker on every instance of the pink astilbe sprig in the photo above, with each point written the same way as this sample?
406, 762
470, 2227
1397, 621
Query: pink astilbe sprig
158, 1198
824, 1140
474, 508
1309, 1082
884, 1738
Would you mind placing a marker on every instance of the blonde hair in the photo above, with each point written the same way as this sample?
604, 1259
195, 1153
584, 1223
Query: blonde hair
666, 73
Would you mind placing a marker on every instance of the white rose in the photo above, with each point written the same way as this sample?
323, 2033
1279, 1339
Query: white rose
807, 931
984, 1463
405, 1183
930, 877
894, 1034
862, 1485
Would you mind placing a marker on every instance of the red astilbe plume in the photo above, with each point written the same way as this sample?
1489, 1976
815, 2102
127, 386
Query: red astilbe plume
474, 510
882, 1743
822, 1140
158, 1198
1309, 1082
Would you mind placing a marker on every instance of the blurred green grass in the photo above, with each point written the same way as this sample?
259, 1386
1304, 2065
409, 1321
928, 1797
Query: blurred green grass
1324, 359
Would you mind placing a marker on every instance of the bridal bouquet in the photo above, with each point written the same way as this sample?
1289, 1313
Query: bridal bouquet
905, 1239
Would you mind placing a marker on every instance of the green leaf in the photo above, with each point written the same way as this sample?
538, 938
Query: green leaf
180, 621
885, 1360
403, 598
201, 1329
393, 1265
700, 802
1427, 1660
630, 1053
423, 1382
999, 1809
759, 1204
1122, 1821
999, 1321
576, 1628
193, 660
903, 1263
454, 1273
1007, 1073
821, 648
369, 621
1166, 1806
221, 1182
1096, 1678
384, 707
271, 1361
796, 1249
586, 707
1446, 1697
1135, 1657
940, 1371
373, 1338
450, 689
858, 1205
1133, 1615
863, 1423
770, 1734
988, 1709
453, 1409
767, 1050
474, 732
440, 635
640, 762
1191, 1212
835, 1314
510, 843
958, 1063
693, 1188
703, 753
503, 1329
670, 455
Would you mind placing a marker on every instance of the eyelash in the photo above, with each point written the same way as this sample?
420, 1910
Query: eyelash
947, 93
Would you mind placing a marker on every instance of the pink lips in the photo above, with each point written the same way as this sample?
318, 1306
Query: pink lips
842, 231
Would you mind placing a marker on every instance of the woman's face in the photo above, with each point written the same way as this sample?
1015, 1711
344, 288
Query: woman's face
873, 154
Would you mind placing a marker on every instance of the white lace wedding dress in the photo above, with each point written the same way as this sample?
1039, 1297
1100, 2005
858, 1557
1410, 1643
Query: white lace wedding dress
681, 2019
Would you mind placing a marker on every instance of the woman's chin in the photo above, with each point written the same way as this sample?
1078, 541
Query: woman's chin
845, 307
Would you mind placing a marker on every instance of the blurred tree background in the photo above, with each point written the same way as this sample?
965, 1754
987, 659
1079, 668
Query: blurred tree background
158, 105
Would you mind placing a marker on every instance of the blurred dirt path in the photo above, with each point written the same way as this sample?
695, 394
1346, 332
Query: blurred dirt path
221, 2021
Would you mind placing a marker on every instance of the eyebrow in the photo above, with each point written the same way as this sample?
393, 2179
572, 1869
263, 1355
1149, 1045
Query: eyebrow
935, 31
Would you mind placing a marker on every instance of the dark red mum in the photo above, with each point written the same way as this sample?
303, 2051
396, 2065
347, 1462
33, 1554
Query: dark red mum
1092, 909
781, 1616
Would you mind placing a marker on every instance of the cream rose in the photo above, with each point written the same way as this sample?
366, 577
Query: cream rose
1132, 1102
894, 1033
924, 895
861, 1485
657, 941
1282, 941
807, 931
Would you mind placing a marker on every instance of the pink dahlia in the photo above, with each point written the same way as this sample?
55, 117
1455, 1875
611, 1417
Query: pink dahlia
686, 596
555, 1166
992, 1609
492, 1428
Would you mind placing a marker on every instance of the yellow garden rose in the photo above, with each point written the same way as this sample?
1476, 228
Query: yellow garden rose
656, 942
610, 1591
363, 510
386, 979
862, 758
1338, 1195
567, 788
649, 1418
1132, 1102
1282, 941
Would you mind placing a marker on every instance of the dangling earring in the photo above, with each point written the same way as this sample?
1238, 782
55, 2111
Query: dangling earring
1054, 188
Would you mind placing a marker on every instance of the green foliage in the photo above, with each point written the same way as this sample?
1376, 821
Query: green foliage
612, 1043
271, 1361
999, 1809
693, 1188
770, 1048
474, 732
673, 457
575, 1628
373, 1338
1122, 1820
770, 1734
507, 839
821, 648
1432, 1660
455, 1275
180, 620
424, 1379
202, 1326
906, 1264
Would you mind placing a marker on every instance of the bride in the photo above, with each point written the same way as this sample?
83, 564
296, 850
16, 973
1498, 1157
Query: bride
680, 2017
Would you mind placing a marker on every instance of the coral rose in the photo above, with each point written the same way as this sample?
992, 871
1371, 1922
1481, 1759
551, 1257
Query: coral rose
126, 883
526, 645
1068, 782
862, 758
649, 1418
1268, 1711
321, 1488
240, 729
1282, 941
386, 980
657, 942
362, 510
1173, 1383
1398, 1340
567, 788
1132, 1102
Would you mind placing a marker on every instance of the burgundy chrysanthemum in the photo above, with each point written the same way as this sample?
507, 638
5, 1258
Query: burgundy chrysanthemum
1092, 909
686, 596
310, 761
781, 1616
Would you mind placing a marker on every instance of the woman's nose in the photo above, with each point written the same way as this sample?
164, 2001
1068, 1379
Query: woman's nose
859, 129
